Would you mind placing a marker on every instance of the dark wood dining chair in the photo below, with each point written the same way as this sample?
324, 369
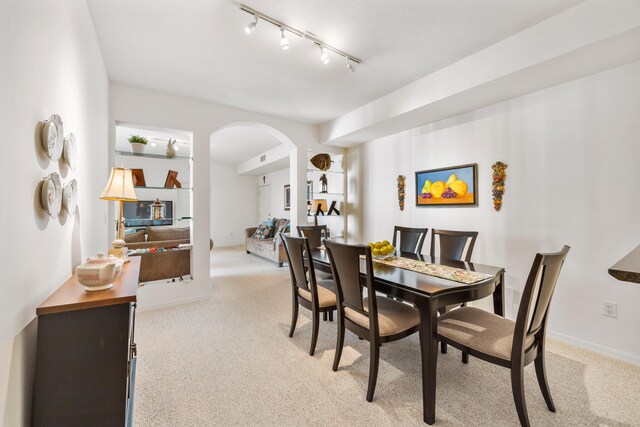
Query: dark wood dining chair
411, 239
315, 234
316, 296
504, 342
375, 319
452, 245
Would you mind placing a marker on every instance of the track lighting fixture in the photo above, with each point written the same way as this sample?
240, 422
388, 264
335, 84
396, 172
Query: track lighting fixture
350, 65
251, 27
323, 56
284, 43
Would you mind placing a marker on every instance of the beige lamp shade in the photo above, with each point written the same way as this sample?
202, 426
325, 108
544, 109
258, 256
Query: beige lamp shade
120, 186
322, 203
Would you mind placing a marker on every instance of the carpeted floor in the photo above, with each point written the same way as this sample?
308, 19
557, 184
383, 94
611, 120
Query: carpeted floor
229, 361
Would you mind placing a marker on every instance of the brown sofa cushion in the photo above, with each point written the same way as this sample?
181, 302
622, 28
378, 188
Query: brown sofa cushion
155, 234
137, 237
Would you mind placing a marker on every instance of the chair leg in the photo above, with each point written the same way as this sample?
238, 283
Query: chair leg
465, 357
324, 316
294, 317
443, 345
541, 373
373, 368
517, 385
331, 316
339, 342
314, 335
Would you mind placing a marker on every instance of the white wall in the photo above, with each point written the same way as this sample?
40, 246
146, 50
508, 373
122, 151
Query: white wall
51, 63
276, 180
234, 204
572, 152
135, 105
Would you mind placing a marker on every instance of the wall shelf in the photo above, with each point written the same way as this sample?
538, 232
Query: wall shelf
152, 156
163, 188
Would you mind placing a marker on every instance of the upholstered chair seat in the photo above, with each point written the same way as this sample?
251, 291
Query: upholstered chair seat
326, 297
481, 331
393, 316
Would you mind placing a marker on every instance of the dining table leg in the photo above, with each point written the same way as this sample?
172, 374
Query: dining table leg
498, 296
429, 352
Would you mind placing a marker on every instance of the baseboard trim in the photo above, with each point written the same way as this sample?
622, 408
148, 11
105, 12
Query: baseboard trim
173, 303
596, 348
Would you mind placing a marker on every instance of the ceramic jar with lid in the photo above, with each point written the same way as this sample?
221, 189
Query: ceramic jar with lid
99, 273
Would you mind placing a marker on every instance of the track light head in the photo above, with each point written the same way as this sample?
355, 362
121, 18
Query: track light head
323, 56
251, 27
350, 65
284, 43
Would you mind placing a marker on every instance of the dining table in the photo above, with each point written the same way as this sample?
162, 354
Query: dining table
429, 294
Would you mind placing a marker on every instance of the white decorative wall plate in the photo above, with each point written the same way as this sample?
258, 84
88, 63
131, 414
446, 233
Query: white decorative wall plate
71, 151
52, 136
70, 197
51, 196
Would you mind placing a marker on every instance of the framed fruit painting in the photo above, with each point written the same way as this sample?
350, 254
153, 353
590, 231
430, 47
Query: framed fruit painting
451, 186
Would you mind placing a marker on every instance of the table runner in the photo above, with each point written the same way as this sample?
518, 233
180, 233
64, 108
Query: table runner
442, 271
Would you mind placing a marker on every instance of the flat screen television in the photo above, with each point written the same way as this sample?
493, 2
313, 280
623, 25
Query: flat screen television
136, 214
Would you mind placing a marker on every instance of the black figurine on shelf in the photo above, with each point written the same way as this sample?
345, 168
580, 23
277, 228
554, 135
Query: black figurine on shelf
323, 183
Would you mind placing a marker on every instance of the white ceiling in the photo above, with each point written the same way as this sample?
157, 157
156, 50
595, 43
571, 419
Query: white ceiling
236, 144
198, 48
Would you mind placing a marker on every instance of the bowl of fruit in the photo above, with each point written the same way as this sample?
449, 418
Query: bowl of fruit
382, 250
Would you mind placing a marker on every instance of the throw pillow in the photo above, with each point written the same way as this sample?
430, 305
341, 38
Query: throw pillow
272, 223
263, 231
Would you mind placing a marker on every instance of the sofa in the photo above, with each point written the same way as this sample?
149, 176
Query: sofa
156, 265
271, 248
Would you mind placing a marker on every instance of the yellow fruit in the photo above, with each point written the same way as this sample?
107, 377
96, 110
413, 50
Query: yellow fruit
390, 249
383, 251
377, 245
460, 187
376, 252
385, 243
371, 245
437, 189
427, 187
452, 177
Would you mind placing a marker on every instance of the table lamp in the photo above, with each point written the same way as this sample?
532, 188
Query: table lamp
119, 188
318, 206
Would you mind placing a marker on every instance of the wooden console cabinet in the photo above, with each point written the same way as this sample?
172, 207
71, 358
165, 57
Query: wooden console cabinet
86, 355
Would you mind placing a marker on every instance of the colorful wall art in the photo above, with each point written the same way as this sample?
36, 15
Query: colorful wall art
450, 186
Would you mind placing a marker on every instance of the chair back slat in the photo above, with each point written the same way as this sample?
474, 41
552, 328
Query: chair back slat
345, 263
295, 248
537, 294
453, 244
315, 234
411, 239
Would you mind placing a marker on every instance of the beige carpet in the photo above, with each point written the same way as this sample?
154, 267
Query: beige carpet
229, 361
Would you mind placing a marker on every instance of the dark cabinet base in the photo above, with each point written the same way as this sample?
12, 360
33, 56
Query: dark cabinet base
82, 367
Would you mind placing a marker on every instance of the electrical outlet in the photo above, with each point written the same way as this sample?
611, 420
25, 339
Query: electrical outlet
610, 309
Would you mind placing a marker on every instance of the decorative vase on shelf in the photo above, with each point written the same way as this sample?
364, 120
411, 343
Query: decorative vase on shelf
137, 148
138, 143
171, 150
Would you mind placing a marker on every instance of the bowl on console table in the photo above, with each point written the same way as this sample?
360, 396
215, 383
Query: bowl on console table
99, 273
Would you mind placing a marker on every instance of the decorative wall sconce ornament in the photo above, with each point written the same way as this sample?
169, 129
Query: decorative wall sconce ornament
497, 187
52, 137
70, 151
51, 195
401, 181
